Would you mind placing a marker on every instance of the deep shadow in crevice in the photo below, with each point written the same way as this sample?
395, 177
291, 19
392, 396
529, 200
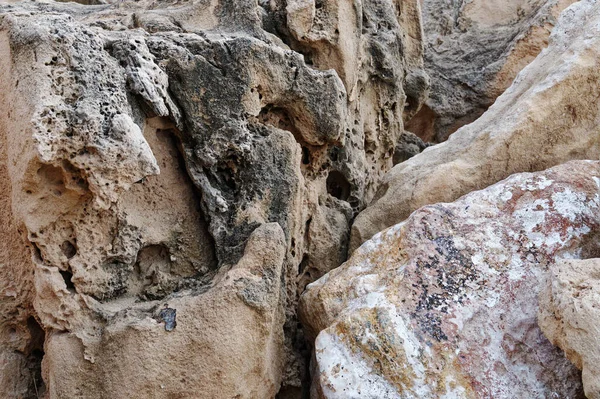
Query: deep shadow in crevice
68, 249
34, 354
338, 186
67, 276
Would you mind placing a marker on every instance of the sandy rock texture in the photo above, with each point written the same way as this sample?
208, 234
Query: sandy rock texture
445, 304
174, 174
569, 316
547, 117
474, 50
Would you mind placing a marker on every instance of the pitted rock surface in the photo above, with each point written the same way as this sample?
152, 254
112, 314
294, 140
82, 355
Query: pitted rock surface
569, 314
473, 52
147, 145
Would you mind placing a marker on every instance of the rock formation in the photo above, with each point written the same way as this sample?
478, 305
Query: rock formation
473, 51
409, 145
569, 316
547, 117
445, 303
174, 174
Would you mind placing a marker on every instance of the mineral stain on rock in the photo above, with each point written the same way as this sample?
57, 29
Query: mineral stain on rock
459, 308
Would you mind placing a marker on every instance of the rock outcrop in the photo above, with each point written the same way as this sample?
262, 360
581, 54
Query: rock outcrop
174, 174
473, 51
547, 117
445, 304
570, 318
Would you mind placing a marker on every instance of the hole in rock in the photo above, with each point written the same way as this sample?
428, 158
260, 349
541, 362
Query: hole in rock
68, 277
303, 264
338, 186
35, 354
225, 175
37, 253
51, 175
280, 118
68, 249
305, 156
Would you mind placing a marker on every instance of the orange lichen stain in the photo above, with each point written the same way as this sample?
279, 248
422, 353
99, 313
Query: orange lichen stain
365, 334
451, 370
389, 252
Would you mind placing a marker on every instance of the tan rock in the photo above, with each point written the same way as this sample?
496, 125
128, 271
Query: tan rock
148, 145
444, 304
226, 343
474, 50
570, 318
547, 117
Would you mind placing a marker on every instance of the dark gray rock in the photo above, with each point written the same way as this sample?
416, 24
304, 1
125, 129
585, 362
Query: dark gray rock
408, 146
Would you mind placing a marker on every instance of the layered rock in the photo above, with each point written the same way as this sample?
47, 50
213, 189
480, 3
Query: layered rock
547, 117
445, 304
570, 318
474, 50
178, 172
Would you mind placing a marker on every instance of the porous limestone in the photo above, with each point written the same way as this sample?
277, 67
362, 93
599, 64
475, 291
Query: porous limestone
473, 51
155, 152
570, 318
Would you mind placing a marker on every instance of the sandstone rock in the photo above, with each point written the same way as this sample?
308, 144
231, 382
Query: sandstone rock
445, 303
474, 50
154, 152
237, 319
547, 117
569, 316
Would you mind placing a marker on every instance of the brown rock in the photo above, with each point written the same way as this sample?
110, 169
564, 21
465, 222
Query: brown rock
570, 318
227, 341
149, 144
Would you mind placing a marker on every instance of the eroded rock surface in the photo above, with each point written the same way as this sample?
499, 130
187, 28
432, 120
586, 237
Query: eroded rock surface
408, 146
547, 117
570, 316
201, 156
474, 50
444, 305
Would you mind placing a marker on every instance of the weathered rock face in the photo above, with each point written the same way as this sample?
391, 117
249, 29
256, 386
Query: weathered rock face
208, 156
408, 146
232, 332
473, 52
570, 318
444, 305
547, 117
